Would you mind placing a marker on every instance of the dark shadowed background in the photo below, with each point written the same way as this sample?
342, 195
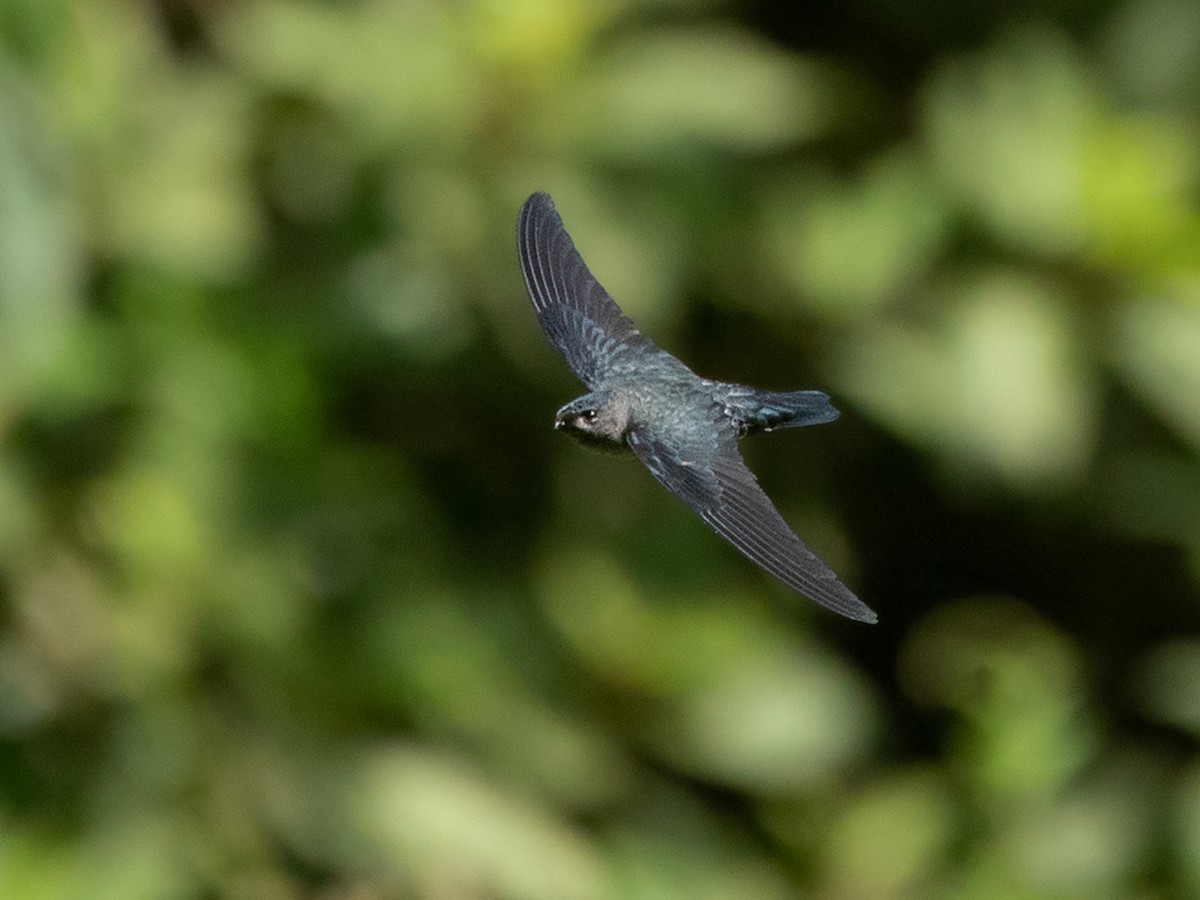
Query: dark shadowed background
302, 597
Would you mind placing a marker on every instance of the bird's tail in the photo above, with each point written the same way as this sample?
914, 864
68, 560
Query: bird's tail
757, 410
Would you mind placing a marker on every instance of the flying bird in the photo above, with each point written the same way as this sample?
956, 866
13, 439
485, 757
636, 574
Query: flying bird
682, 427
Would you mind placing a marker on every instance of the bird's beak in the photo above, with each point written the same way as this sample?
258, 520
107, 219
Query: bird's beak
559, 423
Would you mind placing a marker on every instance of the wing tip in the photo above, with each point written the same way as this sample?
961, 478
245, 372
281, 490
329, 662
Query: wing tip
862, 613
842, 601
538, 201
537, 206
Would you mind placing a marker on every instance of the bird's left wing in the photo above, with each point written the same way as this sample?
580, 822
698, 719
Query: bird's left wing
579, 317
711, 477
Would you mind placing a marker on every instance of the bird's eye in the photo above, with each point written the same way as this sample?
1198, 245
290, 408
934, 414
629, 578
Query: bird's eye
589, 415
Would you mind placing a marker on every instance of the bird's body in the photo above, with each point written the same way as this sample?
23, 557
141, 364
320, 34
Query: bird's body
683, 428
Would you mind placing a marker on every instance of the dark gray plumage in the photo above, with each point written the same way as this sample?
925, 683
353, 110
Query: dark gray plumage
684, 428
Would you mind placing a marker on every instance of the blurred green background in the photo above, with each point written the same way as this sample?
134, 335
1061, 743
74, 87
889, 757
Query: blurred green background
301, 596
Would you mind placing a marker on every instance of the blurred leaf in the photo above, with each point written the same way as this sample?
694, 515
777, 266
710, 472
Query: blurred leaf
1000, 385
1008, 132
1151, 496
658, 644
1013, 681
1150, 48
1089, 842
771, 725
460, 680
1156, 346
393, 73
1169, 684
41, 260
1185, 826
851, 248
660, 91
437, 824
676, 850
1139, 184
891, 840
165, 149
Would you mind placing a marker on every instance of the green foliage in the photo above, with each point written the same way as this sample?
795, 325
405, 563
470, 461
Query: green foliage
300, 596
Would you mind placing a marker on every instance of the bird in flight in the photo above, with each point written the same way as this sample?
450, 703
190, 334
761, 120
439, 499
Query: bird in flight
682, 427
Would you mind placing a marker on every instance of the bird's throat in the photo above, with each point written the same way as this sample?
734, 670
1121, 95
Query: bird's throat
596, 442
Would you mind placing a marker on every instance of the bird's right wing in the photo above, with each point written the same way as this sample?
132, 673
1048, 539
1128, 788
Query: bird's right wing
579, 318
712, 478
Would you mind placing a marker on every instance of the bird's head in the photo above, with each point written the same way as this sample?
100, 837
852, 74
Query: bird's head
597, 419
